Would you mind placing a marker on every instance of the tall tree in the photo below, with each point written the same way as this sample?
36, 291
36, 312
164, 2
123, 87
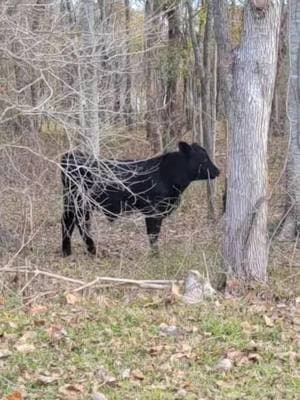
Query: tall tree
254, 72
153, 97
127, 103
291, 226
88, 78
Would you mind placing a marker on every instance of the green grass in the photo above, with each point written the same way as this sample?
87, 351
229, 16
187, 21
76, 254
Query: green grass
117, 337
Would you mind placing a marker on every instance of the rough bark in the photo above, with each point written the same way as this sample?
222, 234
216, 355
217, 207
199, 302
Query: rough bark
221, 28
88, 79
291, 226
195, 82
127, 103
152, 91
208, 100
171, 118
254, 72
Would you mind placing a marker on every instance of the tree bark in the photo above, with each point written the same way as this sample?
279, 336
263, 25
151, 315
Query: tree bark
254, 72
221, 28
152, 90
88, 79
127, 105
209, 100
291, 226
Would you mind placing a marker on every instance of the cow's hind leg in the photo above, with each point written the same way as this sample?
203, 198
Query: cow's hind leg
84, 223
67, 224
153, 225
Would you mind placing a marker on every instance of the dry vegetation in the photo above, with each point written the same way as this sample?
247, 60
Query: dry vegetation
118, 341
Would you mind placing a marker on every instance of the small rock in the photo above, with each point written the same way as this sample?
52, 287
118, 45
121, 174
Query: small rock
4, 354
224, 365
181, 394
169, 330
99, 396
126, 373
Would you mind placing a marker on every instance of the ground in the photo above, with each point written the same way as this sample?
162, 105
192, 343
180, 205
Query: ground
130, 343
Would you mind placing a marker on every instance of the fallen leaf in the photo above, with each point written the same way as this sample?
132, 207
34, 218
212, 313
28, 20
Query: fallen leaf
56, 332
72, 298
254, 357
137, 374
47, 379
71, 391
268, 321
156, 350
2, 301
105, 377
176, 290
247, 327
14, 396
25, 348
38, 309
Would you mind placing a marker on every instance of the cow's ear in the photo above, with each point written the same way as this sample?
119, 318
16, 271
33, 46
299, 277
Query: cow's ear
184, 147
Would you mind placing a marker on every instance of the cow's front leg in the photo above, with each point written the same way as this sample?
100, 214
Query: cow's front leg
153, 225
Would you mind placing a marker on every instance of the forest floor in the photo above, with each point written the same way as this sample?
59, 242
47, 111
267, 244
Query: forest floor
130, 343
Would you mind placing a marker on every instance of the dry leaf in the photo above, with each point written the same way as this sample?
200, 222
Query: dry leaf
71, 391
176, 290
137, 374
14, 396
105, 377
2, 301
72, 298
25, 348
268, 321
38, 309
156, 350
46, 379
56, 332
254, 357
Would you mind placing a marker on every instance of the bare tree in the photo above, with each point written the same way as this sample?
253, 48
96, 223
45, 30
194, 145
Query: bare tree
151, 35
291, 226
254, 72
88, 78
127, 102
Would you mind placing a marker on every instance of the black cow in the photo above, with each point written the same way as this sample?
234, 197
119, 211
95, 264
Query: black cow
152, 187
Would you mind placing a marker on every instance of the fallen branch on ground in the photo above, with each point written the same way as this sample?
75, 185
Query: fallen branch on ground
196, 288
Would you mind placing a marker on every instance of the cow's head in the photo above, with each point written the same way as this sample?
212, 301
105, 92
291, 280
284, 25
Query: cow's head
200, 165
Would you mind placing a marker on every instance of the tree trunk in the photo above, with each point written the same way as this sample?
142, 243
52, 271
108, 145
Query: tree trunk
152, 92
254, 72
127, 105
209, 100
88, 80
221, 29
171, 119
196, 79
291, 226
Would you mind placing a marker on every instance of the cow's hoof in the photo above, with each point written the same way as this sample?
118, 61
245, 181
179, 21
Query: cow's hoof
92, 251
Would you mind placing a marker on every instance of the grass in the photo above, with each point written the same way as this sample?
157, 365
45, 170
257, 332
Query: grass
115, 337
